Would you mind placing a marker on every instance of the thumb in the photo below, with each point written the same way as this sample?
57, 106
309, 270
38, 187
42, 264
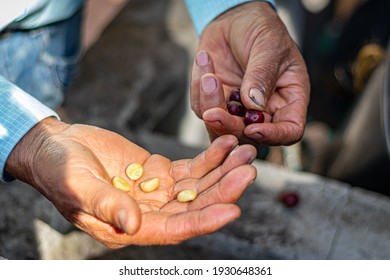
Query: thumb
259, 79
114, 207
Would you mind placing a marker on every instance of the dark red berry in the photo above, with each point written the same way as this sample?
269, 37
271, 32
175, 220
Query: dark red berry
235, 95
253, 116
236, 108
289, 199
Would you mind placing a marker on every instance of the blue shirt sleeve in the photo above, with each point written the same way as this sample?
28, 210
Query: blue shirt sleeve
36, 13
19, 112
202, 12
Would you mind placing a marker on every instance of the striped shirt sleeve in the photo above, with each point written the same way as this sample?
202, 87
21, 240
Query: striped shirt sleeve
202, 12
19, 112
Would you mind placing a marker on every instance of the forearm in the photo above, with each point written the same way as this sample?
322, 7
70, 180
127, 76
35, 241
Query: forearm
203, 12
25, 158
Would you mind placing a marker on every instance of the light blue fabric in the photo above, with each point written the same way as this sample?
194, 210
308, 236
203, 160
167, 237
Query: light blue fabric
202, 12
42, 63
46, 12
19, 112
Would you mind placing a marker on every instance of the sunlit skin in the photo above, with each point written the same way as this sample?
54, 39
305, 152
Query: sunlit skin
72, 165
249, 47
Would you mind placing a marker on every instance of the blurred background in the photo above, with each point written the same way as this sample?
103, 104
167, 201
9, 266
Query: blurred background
344, 43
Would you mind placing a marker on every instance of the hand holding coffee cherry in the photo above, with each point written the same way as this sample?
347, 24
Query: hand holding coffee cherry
264, 62
235, 107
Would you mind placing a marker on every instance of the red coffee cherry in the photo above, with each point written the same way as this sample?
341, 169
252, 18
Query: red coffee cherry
235, 95
236, 108
253, 116
289, 198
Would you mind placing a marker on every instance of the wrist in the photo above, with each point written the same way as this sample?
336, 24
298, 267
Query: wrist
203, 12
25, 157
254, 8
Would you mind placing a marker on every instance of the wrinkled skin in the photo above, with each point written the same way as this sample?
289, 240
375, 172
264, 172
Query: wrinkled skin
72, 165
249, 47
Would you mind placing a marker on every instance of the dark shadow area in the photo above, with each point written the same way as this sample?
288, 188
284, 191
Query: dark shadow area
343, 45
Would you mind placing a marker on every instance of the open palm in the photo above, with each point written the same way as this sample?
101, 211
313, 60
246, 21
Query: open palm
76, 171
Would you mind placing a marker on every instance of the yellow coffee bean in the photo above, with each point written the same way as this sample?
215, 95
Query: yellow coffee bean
150, 185
120, 183
186, 196
134, 171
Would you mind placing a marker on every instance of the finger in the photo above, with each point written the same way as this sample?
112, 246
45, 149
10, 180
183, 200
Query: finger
282, 133
259, 79
212, 97
241, 155
205, 161
211, 93
225, 190
287, 126
192, 224
175, 228
268, 55
221, 122
202, 65
228, 190
109, 205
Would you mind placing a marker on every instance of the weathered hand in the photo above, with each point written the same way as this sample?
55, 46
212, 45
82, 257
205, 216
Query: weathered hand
73, 166
249, 48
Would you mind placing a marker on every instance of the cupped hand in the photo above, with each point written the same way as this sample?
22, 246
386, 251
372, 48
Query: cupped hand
73, 167
249, 48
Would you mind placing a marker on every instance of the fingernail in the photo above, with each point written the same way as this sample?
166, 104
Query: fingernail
209, 84
252, 158
257, 97
122, 218
202, 58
